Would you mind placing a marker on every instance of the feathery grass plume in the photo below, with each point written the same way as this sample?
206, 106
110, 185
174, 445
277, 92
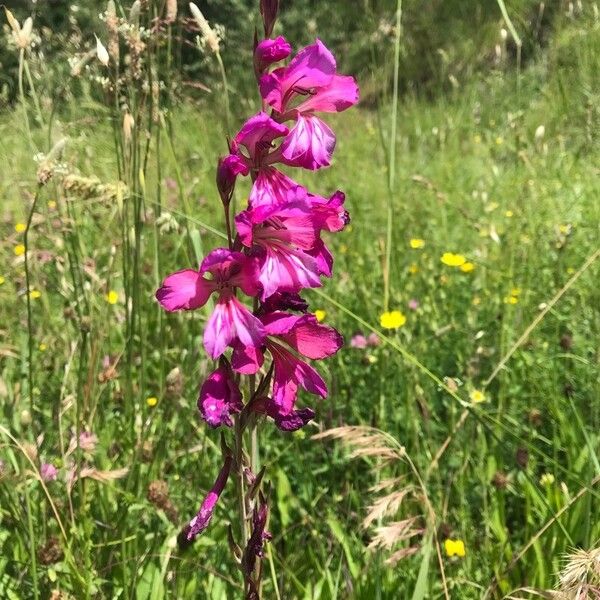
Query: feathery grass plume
580, 577
370, 442
207, 34
21, 35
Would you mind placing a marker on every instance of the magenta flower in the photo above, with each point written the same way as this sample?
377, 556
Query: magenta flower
202, 519
283, 236
258, 537
48, 472
270, 51
220, 397
189, 289
290, 338
311, 74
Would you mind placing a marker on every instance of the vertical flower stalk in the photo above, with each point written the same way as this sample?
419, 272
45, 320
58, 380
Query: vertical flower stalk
261, 333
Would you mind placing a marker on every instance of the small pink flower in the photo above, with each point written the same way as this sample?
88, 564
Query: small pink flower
413, 304
189, 289
88, 441
48, 472
373, 340
358, 341
220, 397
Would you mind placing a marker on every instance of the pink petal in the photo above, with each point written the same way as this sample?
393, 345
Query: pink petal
340, 94
310, 144
270, 187
184, 290
246, 359
287, 270
259, 129
229, 319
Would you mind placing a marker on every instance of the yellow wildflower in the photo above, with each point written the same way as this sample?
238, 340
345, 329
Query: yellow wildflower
477, 139
413, 269
508, 214
467, 267
477, 396
511, 300
515, 291
51, 204
35, 294
343, 248
392, 319
20, 227
320, 315
152, 401
417, 243
547, 479
499, 141
19, 250
42, 347
2, 280
112, 297
453, 260
476, 300
455, 548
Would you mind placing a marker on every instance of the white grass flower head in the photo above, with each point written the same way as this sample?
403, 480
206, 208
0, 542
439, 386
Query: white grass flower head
171, 11
208, 35
14, 24
101, 52
21, 35
134, 13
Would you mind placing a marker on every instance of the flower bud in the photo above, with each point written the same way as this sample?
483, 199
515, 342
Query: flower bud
101, 52
14, 24
228, 169
268, 10
270, 51
23, 38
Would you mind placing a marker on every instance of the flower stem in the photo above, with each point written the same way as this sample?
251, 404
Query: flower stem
29, 311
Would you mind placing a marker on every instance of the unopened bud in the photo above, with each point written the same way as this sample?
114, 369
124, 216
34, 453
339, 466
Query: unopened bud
101, 52
228, 169
503, 34
269, 10
270, 51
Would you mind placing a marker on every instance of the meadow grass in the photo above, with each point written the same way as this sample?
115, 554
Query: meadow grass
505, 459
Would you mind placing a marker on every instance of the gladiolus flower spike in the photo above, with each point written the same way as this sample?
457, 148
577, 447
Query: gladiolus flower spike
260, 330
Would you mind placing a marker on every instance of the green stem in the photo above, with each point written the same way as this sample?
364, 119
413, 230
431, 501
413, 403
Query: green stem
226, 93
33, 93
392, 162
29, 311
34, 573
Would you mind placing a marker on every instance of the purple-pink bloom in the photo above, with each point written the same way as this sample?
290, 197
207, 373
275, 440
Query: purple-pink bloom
220, 397
270, 51
283, 236
311, 74
48, 472
286, 421
189, 289
202, 519
290, 338
228, 169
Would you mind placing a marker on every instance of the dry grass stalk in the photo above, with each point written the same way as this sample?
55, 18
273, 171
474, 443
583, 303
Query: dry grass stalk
580, 578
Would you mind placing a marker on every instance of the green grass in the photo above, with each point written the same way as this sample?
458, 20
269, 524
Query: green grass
471, 179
